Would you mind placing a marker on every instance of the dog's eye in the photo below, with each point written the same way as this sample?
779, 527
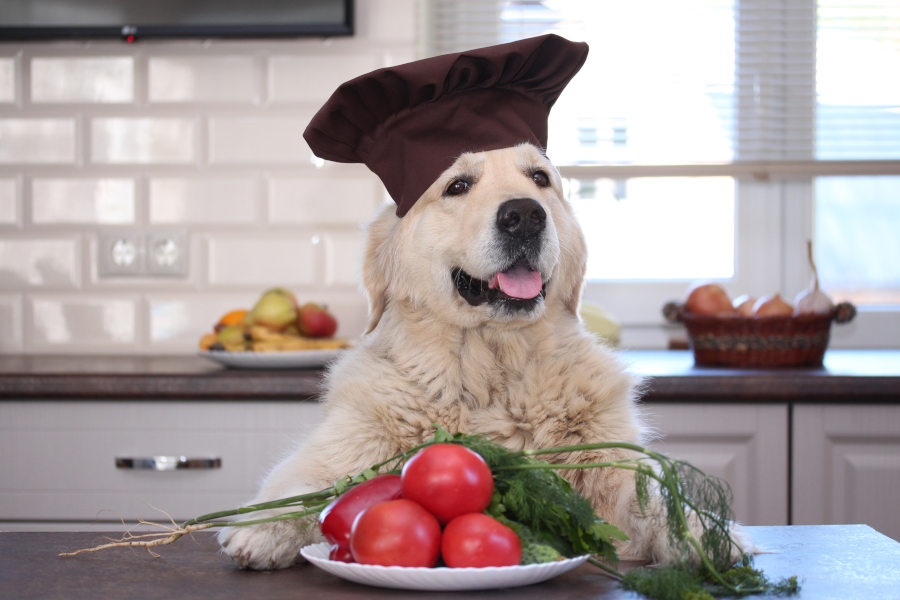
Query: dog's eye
540, 179
458, 187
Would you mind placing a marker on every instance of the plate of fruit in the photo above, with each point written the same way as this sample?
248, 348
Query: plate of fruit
276, 333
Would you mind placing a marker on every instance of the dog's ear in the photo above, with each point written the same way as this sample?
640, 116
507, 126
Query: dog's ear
573, 248
577, 267
377, 265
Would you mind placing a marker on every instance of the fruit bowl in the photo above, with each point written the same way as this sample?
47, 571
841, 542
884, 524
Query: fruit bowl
777, 341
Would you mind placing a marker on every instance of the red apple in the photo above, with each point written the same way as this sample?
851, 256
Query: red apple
709, 299
314, 320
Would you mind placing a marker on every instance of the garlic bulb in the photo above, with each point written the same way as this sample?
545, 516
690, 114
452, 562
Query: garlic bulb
812, 300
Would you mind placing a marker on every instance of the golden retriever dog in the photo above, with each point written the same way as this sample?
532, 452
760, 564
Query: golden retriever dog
474, 326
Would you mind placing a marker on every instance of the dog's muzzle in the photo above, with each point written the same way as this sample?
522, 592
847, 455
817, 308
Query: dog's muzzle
520, 224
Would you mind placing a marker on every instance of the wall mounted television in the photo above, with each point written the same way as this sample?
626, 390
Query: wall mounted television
132, 20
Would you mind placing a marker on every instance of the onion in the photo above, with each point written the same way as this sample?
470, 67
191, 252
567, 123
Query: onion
743, 304
812, 300
772, 306
709, 299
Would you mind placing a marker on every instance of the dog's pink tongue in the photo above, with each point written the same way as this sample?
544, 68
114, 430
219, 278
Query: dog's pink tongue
520, 282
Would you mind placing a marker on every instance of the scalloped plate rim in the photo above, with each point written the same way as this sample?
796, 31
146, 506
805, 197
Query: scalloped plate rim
438, 578
272, 360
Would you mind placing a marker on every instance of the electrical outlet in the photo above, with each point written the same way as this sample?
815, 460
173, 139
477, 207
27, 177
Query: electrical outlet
167, 253
136, 253
121, 254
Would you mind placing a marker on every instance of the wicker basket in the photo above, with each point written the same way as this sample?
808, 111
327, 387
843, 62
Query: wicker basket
795, 341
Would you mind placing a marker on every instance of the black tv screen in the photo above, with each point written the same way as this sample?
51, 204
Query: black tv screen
132, 20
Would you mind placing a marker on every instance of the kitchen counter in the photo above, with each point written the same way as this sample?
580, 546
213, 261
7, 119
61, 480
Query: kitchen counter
871, 376
831, 561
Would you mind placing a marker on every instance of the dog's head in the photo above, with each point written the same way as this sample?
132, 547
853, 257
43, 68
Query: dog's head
492, 239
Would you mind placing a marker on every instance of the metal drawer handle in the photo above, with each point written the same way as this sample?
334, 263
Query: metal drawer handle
168, 463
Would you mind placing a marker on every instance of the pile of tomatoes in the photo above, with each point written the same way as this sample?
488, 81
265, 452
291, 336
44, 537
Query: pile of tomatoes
432, 510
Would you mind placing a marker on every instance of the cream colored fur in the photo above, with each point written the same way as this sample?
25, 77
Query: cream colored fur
536, 380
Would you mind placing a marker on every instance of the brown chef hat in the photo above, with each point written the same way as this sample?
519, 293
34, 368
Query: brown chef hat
409, 123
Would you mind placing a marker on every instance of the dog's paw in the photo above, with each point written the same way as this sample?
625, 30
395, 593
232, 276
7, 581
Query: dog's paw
264, 546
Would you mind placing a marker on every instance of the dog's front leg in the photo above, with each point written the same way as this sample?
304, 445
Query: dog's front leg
274, 545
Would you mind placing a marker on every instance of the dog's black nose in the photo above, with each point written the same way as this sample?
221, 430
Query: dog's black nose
521, 217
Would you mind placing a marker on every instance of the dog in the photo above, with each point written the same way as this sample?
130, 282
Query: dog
474, 326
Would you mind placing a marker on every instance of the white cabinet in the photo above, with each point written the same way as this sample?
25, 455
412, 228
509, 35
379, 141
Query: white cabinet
745, 444
847, 466
58, 459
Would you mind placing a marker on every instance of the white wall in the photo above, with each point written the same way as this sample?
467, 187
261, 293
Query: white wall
202, 137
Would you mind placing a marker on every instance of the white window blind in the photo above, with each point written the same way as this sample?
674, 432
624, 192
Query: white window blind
709, 81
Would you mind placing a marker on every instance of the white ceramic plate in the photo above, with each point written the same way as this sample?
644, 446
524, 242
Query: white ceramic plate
440, 578
272, 360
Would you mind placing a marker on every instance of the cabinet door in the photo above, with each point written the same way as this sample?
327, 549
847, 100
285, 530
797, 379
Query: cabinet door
744, 444
847, 466
58, 459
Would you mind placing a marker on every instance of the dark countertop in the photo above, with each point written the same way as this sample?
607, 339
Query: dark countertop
847, 375
831, 561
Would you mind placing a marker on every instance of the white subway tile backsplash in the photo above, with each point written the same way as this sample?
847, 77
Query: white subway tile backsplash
313, 78
88, 201
200, 138
9, 202
78, 323
101, 79
258, 140
323, 200
39, 262
37, 140
204, 79
7, 79
265, 261
224, 200
143, 140
11, 323
343, 258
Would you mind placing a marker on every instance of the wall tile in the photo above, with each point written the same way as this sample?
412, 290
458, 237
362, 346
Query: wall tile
224, 201
77, 323
264, 261
255, 140
393, 20
313, 78
82, 79
10, 323
39, 262
9, 202
7, 79
177, 321
343, 258
204, 79
99, 201
37, 140
320, 200
142, 140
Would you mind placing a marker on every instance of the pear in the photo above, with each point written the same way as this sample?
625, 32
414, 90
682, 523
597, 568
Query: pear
275, 309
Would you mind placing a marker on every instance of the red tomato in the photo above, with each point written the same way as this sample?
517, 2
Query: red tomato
396, 532
337, 518
448, 480
477, 540
340, 553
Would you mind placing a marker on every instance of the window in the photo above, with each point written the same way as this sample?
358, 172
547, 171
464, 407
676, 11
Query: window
709, 139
